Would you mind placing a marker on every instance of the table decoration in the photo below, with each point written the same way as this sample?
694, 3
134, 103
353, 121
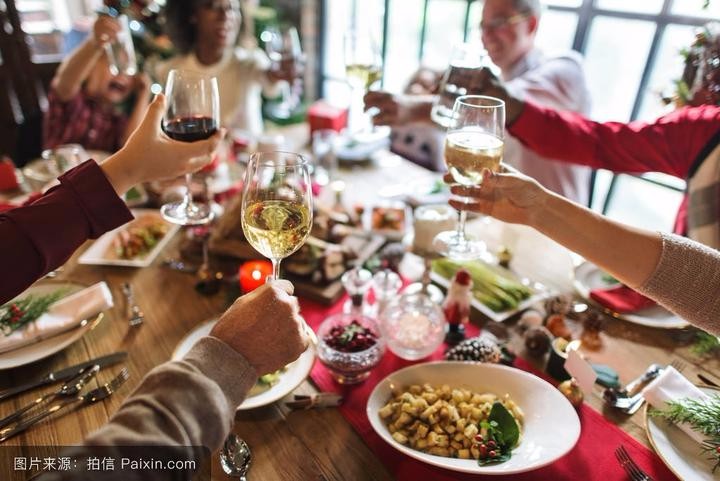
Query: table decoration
350, 345
252, 274
413, 325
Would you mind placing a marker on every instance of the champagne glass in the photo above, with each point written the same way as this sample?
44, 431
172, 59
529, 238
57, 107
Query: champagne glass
474, 142
363, 67
465, 59
193, 113
283, 47
277, 205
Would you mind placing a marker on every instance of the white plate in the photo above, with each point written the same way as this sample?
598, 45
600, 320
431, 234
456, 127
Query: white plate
295, 373
40, 350
588, 276
96, 254
678, 451
551, 426
539, 292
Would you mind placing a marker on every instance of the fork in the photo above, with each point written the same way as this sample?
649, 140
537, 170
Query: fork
630, 467
136, 315
91, 397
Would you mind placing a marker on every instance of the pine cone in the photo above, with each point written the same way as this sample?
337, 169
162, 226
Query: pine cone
475, 349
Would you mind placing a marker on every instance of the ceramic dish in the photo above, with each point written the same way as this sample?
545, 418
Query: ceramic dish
551, 426
99, 253
677, 450
47, 347
588, 276
293, 375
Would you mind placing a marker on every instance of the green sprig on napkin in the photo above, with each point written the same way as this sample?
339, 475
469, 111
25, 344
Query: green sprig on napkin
703, 416
16, 314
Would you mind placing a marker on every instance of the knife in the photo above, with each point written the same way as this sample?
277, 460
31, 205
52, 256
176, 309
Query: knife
64, 374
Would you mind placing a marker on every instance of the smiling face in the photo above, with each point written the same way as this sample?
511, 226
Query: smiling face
105, 86
218, 23
507, 33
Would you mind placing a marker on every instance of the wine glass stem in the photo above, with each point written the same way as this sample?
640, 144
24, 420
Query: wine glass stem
275, 270
462, 217
187, 198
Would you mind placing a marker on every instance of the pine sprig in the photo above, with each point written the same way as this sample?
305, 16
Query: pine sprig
16, 314
703, 416
705, 344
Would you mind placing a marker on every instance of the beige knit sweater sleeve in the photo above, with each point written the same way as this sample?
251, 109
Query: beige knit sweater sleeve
178, 404
687, 282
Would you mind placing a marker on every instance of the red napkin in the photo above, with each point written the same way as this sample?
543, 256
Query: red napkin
5, 207
8, 179
621, 299
592, 459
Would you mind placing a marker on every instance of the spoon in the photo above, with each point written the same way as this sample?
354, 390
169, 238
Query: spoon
235, 457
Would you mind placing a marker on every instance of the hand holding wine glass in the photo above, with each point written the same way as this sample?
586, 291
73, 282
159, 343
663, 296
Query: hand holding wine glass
363, 67
277, 205
474, 142
282, 45
193, 114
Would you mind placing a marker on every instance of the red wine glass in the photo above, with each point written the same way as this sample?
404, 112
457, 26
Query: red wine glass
193, 113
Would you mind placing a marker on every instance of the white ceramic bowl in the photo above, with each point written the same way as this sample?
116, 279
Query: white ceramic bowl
551, 427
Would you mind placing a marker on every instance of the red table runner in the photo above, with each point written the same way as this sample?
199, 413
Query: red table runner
592, 458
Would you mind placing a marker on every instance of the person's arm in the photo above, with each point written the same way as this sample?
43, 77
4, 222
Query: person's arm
192, 402
670, 144
76, 68
41, 236
685, 280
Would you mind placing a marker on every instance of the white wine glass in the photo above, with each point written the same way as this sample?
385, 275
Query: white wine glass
363, 68
284, 49
193, 113
277, 203
474, 141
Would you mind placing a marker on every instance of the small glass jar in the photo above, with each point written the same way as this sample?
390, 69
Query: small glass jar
386, 285
413, 326
357, 283
349, 346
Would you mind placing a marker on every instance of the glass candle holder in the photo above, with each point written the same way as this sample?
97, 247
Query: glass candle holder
413, 326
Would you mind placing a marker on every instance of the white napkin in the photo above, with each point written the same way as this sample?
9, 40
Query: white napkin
61, 316
673, 386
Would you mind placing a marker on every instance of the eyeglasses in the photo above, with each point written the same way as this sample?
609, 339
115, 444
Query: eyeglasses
498, 23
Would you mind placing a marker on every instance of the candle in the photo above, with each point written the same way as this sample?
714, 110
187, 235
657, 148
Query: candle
252, 275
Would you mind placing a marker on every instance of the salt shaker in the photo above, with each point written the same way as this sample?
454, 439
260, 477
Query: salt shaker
357, 283
386, 285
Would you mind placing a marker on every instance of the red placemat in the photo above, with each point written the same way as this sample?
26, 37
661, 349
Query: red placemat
592, 458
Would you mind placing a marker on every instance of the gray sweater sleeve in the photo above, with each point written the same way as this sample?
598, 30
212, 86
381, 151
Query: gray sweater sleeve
180, 403
687, 282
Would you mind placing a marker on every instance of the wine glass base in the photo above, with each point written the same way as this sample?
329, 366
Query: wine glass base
187, 214
462, 248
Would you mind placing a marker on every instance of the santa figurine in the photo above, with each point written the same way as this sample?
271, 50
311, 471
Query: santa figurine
457, 306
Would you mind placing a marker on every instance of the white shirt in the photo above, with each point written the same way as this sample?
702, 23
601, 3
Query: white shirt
557, 82
241, 80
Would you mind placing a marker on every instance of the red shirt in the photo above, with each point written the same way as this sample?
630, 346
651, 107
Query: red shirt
41, 236
671, 144
85, 121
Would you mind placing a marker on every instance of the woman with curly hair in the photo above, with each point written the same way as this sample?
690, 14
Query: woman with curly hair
205, 32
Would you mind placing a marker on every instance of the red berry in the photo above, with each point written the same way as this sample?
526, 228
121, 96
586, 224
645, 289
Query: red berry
478, 438
491, 444
492, 453
717, 450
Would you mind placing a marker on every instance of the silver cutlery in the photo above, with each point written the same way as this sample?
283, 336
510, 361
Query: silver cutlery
136, 315
64, 374
630, 467
91, 397
630, 398
235, 457
707, 380
70, 388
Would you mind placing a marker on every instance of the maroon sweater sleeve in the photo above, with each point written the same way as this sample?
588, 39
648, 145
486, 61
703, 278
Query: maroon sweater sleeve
39, 237
669, 145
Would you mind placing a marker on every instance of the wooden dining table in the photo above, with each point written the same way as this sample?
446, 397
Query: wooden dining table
315, 444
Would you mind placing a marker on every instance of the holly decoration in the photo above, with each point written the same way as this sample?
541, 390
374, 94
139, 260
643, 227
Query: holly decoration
16, 314
352, 337
499, 434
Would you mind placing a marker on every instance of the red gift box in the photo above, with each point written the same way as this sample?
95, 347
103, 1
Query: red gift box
8, 179
322, 115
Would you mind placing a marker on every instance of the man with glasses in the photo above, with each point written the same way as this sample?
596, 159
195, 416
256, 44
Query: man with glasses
508, 31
